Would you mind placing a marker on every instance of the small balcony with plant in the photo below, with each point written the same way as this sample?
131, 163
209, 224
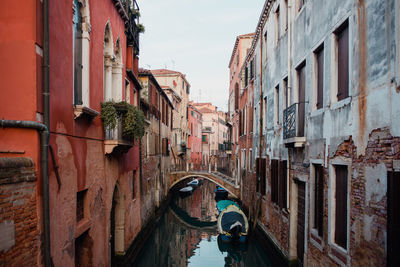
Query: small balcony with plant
123, 123
293, 125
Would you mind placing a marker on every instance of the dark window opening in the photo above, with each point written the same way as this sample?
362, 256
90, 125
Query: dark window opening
319, 55
318, 198
342, 38
341, 206
80, 204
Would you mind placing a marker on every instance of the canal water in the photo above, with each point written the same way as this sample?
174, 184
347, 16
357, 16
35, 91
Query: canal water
186, 235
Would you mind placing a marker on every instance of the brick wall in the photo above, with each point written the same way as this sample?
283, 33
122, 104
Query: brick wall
19, 236
368, 201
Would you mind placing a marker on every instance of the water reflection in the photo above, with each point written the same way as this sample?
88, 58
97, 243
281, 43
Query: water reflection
186, 235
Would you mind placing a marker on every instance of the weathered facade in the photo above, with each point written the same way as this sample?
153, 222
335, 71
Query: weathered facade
327, 118
239, 53
176, 81
93, 168
156, 158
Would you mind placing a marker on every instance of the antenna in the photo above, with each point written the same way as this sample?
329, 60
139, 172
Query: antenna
173, 64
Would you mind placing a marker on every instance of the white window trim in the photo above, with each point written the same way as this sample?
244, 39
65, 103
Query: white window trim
331, 207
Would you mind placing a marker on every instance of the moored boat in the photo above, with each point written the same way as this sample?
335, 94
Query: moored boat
233, 225
194, 182
220, 193
223, 204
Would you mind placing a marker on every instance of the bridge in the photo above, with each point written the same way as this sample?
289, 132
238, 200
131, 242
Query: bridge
218, 178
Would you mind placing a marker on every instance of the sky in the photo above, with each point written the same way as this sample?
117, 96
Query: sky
196, 38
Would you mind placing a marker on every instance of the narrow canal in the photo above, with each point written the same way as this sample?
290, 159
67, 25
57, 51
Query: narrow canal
186, 235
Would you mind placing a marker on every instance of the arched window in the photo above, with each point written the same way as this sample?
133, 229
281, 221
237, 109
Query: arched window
108, 53
81, 31
117, 73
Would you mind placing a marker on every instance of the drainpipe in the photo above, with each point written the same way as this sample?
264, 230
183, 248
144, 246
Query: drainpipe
261, 106
44, 158
45, 136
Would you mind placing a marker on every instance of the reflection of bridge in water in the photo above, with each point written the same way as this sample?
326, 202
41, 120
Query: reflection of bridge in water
192, 222
218, 178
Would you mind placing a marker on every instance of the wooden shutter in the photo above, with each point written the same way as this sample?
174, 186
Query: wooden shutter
263, 176
258, 175
393, 219
274, 180
343, 61
283, 184
301, 207
341, 206
320, 78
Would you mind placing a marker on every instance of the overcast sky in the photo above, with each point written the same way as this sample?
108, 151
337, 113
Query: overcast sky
196, 38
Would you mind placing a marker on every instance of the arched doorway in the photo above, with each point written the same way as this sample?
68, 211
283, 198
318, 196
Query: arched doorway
117, 222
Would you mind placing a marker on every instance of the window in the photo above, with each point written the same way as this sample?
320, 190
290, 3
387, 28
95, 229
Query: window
279, 183
127, 91
283, 184
165, 150
77, 50
251, 69
80, 205
261, 176
265, 45
317, 194
133, 184
276, 105
246, 76
237, 59
286, 13
277, 26
301, 86
274, 180
393, 218
319, 77
342, 56
286, 93
157, 144
81, 26
340, 208
236, 96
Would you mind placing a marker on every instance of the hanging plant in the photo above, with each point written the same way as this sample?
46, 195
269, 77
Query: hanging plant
108, 115
140, 28
133, 120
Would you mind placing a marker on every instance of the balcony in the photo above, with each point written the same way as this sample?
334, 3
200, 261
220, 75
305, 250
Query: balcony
114, 140
123, 123
182, 148
293, 125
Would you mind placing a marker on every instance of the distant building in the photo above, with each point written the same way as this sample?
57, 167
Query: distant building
239, 53
156, 157
194, 142
178, 89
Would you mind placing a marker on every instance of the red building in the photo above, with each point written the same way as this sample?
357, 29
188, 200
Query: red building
90, 195
195, 135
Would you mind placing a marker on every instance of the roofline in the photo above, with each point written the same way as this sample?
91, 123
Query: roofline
243, 36
151, 77
177, 73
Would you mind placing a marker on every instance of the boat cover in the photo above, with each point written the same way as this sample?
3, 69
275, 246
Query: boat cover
230, 216
223, 204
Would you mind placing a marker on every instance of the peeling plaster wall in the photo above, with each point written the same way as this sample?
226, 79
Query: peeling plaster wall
363, 128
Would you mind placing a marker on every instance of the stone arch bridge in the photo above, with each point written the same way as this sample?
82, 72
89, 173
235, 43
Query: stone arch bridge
216, 177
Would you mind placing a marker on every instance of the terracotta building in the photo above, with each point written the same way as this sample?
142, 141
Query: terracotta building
90, 193
239, 53
194, 142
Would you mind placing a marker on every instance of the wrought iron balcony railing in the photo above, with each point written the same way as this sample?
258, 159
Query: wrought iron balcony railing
293, 121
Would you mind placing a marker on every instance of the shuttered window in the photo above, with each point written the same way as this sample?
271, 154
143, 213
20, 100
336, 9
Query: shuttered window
274, 180
393, 219
283, 184
318, 198
341, 206
342, 37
